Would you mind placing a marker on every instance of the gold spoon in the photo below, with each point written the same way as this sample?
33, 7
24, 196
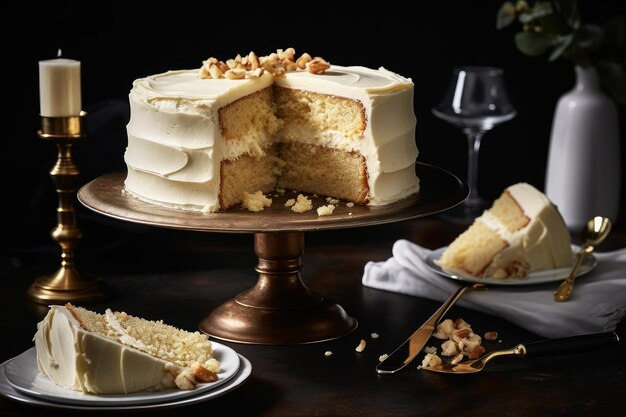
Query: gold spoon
596, 231
572, 344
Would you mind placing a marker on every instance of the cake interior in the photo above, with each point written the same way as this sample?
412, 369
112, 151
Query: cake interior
462, 254
509, 212
279, 138
153, 337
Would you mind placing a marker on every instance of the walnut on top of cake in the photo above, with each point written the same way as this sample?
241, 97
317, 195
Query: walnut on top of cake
251, 66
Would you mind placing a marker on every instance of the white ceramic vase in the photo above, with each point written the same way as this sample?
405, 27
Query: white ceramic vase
583, 172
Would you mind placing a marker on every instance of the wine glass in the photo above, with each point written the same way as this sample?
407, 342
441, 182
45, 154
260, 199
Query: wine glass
476, 101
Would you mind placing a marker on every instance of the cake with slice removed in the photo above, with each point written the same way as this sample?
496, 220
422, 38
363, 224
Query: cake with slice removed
520, 233
200, 139
116, 353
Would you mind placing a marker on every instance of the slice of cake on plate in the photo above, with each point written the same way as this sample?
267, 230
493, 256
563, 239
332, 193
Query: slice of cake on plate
522, 232
116, 353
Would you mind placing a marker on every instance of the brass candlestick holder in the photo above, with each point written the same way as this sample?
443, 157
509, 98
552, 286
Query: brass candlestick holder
67, 284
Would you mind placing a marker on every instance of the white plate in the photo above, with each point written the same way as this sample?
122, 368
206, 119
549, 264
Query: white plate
245, 369
23, 375
536, 277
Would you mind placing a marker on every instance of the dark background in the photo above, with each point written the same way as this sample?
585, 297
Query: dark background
118, 42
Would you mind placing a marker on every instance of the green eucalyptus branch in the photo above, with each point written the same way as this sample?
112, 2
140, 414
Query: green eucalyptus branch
556, 29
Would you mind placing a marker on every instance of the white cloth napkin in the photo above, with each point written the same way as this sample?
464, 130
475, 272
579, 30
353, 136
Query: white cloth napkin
597, 305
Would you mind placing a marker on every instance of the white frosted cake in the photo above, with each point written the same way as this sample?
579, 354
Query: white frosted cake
521, 232
115, 353
199, 139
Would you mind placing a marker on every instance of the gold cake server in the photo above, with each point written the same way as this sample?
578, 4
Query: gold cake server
411, 347
573, 344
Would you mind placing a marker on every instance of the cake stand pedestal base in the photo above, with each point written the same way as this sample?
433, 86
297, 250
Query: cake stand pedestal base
279, 309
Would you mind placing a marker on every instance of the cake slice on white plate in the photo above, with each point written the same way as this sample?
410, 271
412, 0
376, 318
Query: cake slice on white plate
116, 353
520, 233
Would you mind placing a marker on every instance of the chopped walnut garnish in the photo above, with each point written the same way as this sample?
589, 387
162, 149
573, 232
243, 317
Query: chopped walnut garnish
491, 335
460, 340
476, 352
235, 74
203, 374
277, 63
255, 73
461, 324
431, 360
444, 329
361, 346
449, 348
317, 66
185, 380
303, 60
430, 349
458, 358
461, 334
215, 71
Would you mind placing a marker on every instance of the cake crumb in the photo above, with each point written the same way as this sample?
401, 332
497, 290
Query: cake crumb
350, 204
328, 353
430, 349
302, 204
383, 357
290, 202
325, 210
431, 360
331, 200
374, 335
255, 202
361, 346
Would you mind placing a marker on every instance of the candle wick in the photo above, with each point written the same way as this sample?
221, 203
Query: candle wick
59, 53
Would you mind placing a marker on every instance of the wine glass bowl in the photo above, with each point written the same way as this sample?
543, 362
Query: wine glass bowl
476, 101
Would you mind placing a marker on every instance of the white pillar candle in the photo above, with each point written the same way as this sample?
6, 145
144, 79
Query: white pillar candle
59, 88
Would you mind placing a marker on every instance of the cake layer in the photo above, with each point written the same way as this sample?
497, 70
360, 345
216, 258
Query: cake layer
326, 171
248, 174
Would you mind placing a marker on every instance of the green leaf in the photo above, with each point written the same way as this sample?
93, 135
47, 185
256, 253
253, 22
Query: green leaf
506, 15
532, 44
563, 43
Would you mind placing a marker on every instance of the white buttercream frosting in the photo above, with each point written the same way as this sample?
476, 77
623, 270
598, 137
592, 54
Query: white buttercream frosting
544, 243
84, 361
175, 146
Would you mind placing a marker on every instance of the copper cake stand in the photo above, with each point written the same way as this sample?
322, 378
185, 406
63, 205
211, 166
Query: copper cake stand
279, 309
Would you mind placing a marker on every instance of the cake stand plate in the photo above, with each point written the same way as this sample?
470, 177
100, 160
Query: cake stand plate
279, 309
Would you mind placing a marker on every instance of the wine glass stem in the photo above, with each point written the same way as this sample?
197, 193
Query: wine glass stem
473, 141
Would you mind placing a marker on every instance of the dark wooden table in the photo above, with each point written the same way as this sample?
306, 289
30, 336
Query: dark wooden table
180, 276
